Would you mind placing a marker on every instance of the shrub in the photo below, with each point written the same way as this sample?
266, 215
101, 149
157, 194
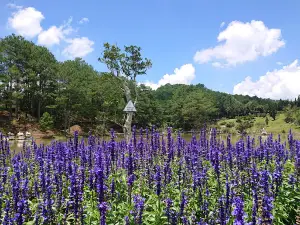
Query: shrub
230, 124
101, 130
223, 123
46, 122
262, 114
244, 125
297, 118
238, 120
288, 119
226, 130
267, 121
260, 125
14, 122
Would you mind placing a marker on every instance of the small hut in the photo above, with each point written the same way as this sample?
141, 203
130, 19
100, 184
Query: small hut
130, 108
264, 132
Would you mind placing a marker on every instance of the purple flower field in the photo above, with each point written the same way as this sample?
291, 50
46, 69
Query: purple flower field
153, 179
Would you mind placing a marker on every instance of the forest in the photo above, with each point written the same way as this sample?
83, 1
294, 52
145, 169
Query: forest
38, 87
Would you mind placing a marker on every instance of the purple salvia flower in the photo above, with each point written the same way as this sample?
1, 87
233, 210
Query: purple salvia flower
267, 200
222, 211
167, 173
152, 138
100, 184
254, 206
238, 212
15, 191
227, 200
183, 203
179, 143
7, 219
103, 207
163, 146
184, 220
277, 177
25, 197
157, 179
111, 147
201, 222
37, 216
174, 217
297, 158
112, 187
91, 178
267, 207
126, 219
292, 180
169, 204
19, 216
134, 135
76, 143
138, 208
130, 180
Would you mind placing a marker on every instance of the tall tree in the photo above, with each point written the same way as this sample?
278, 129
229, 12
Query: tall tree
197, 109
15, 55
126, 65
272, 109
41, 82
77, 93
149, 112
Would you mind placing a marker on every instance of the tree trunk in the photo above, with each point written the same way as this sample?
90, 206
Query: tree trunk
127, 126
10, 112
128, 121
32, 107
17, 109
39, 110
65, 122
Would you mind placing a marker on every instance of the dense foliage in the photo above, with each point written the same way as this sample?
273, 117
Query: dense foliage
32, 81
46, 121
153, 179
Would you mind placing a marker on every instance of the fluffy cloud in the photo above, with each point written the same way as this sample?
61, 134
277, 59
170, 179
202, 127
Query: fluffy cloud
242, 42
84, 20
26, 21
184, 75
54, 34
51, 36
14, 6
78, 47
222, 24
283, 83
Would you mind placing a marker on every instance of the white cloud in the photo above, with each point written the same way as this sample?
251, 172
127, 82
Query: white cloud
54, 34
283, 83
242, 42
84, 20
222, 24
51, 36
184, 75
218, 65
78, 47
26, 22
14, 6
279, 63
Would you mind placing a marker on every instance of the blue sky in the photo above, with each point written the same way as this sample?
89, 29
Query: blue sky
256, 53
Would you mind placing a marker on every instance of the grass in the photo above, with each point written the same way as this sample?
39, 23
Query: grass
277, 126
